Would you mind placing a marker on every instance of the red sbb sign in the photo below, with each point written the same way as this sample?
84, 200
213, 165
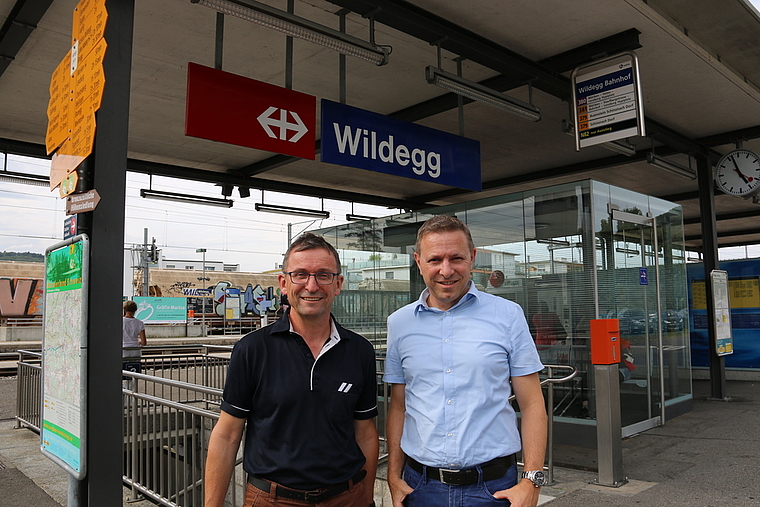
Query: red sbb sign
238, 110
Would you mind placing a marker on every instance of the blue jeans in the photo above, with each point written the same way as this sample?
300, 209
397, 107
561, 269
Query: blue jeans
432, 493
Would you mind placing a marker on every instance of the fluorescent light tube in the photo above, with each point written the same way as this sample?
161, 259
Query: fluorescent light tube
186, 198
620, 147
669, 166
289, 210
357, 218
480, 93
300, 28
27, 179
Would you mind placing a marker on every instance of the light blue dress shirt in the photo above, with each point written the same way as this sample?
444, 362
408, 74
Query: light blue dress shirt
456, 365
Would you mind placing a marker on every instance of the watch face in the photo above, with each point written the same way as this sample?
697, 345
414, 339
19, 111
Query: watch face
537, 477
738, 173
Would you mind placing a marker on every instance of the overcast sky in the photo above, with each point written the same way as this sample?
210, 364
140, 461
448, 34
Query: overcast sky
32, 219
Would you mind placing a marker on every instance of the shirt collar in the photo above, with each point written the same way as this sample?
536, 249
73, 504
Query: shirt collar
284, 325
334, 336
472, 292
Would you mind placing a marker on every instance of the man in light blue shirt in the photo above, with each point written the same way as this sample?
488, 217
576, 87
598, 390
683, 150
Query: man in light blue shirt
452, 433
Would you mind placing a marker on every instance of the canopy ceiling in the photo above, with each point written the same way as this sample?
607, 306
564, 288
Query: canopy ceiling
699, 67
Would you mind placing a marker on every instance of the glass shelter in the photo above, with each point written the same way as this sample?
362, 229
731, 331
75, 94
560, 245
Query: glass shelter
566, 254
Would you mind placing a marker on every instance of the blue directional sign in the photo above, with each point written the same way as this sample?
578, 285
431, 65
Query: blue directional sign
358, 138
643, 276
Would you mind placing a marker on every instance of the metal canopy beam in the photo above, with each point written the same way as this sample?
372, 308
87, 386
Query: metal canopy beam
727, 234
431, 28
21, 22
562, 62
726, 216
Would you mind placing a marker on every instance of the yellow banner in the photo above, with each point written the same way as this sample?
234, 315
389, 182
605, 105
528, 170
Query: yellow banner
742, 293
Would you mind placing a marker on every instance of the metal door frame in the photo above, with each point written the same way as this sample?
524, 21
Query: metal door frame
647, 221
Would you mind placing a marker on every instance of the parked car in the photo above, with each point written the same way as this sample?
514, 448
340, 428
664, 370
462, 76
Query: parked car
632, 321
671, 321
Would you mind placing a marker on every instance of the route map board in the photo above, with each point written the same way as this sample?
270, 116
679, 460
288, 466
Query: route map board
64, 345
724, 343
607, 98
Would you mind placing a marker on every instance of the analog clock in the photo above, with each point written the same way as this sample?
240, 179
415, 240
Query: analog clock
738, 173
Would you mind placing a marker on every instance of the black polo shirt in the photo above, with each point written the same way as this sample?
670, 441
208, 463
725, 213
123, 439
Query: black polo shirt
300, 412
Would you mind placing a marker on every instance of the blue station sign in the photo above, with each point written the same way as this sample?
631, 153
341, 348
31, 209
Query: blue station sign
358, 138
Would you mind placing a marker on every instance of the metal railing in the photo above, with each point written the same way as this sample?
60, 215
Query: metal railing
549, 382
170, 409
166, 440
29, 390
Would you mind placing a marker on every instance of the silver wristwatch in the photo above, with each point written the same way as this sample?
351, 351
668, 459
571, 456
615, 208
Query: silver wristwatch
537, 477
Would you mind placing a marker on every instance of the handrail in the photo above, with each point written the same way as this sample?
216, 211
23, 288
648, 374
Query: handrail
550, 381
184, 404
174, 383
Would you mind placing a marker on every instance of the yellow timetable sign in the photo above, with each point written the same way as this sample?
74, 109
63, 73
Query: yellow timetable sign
58, 106
76, 91
742, 292
89, 25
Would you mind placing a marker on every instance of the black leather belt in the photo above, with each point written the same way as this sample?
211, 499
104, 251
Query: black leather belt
313, 496
494, 469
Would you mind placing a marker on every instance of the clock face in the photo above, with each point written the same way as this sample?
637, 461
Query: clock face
738, 173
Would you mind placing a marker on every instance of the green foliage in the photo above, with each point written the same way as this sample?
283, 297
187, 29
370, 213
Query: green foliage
22, 257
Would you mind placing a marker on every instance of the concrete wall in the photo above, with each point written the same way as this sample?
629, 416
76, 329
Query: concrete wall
21, 334
34, 333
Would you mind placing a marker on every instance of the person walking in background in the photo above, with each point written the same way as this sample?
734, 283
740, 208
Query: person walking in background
455, 356
132, 331
307, 390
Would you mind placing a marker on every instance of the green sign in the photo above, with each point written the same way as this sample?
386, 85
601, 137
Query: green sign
64, 346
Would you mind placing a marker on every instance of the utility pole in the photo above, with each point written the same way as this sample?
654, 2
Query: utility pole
203, 279
145, 264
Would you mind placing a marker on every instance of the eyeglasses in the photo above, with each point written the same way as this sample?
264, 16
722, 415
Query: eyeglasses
302, 277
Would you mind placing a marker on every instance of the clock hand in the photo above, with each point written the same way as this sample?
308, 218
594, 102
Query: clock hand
738, 171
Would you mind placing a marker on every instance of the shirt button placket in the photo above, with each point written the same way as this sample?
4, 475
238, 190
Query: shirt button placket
449, 384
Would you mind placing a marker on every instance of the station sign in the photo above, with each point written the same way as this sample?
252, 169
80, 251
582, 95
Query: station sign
358, 138
238, 110
607, 98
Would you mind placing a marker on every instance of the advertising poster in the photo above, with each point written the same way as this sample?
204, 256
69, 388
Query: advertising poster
63, 354
161, 310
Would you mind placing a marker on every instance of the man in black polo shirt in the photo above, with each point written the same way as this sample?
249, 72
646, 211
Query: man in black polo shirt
307, 389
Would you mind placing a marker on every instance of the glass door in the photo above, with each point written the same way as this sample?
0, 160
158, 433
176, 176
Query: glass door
633, 250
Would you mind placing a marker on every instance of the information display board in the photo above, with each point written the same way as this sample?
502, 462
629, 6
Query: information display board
607, 101
724, 343
64, 349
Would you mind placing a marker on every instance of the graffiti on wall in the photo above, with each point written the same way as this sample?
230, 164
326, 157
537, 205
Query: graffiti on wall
20, 297
252, 300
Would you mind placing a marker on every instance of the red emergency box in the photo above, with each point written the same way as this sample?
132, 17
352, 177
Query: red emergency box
605, 341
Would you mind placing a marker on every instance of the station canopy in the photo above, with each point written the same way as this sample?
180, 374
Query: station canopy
699, 65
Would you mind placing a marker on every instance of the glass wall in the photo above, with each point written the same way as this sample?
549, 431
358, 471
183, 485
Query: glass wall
566, 254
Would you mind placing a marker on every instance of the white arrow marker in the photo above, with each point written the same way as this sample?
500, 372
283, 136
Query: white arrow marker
267, 122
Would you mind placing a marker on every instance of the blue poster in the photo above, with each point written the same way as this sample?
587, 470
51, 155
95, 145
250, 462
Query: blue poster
358, 138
